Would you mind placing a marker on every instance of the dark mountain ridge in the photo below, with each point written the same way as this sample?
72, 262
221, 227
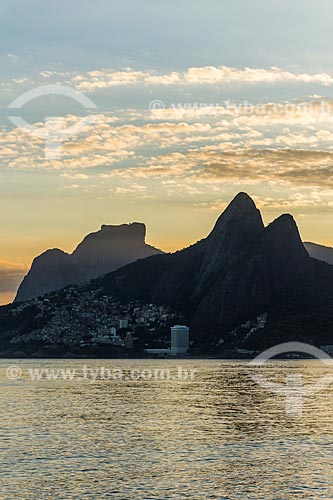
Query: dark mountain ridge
320, 252
244, 285
238, 272
101, 252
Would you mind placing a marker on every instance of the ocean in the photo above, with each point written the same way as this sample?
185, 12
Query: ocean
198, 429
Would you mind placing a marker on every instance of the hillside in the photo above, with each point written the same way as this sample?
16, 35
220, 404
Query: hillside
101, 252
244, 285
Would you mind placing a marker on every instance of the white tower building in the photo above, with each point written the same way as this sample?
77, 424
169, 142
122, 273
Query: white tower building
180, 339
123, 323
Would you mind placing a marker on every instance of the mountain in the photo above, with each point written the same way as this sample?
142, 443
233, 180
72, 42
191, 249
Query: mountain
320, 252
101, 252
240, 271
243, 286
52, 270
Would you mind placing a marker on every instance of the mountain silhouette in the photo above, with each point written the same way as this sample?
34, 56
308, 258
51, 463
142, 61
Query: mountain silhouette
101, 252
241, 275
241, 270
320, 252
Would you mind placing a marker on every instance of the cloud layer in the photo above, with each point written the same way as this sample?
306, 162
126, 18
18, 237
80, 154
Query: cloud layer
176, 154
207, 75
10, 276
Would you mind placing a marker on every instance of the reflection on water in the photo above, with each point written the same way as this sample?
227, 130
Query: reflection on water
219, 436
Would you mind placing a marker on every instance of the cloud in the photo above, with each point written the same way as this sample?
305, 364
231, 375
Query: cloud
99, 144
75, 176
310, 169
283, 167
95, 80
47, 73
13, 57
11, 275
133, 189
287, 145
209, 76
225, 74
290, 202
206, 75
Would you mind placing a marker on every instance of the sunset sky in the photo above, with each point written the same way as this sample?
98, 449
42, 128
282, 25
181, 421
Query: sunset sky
194, 101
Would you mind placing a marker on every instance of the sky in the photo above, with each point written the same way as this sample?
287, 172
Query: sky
160, 112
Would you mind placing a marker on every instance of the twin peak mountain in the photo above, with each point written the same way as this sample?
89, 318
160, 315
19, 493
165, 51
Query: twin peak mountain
240, 270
